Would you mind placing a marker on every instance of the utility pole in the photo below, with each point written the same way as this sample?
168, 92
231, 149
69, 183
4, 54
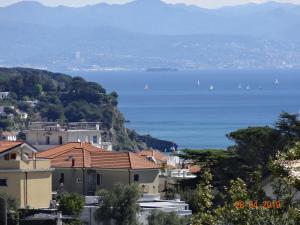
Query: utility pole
3, 211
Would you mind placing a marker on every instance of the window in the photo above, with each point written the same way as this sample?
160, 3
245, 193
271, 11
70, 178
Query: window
60, 140
136, 177
95, 139
79, 180
3, 182
99, 179
62, 178
6, 157
13, 156
47, 140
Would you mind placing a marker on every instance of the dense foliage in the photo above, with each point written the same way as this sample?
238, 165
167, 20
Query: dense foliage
69, 99
158, 217
260, 156
11, 205
70, 203
119, 205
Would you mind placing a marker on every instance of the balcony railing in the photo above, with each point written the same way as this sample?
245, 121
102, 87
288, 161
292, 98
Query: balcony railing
64, 126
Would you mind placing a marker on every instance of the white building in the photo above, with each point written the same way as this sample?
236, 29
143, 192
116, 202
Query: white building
294, 171
48, 135
32, 103
8, 136
3, 95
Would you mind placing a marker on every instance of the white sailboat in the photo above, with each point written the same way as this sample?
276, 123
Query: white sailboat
198, 82
211, 87
248, 87
240, 86
146, 87
276, 81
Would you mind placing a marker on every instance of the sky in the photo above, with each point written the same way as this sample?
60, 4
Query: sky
201, 3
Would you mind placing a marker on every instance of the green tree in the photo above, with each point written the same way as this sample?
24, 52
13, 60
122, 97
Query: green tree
119, 205
256, 145
158, 217
70, 203
12, 209
289, 126
204, 213
38, 90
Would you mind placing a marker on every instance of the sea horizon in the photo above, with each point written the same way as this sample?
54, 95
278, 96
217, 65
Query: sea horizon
196, 109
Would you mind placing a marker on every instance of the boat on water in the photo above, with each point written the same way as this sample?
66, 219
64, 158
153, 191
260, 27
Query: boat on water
276, 81
211, 87
240, 86
146, 87
248, 87
198, 82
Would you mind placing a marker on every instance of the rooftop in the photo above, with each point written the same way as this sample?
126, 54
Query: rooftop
8, 145
84, 155
153, 153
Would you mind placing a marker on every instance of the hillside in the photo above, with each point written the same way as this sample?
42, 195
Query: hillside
64, 98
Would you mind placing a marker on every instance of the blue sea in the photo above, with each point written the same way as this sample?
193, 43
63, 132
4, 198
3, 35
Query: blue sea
181, 107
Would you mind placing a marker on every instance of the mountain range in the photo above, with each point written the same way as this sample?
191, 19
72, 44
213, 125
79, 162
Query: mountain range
150, 33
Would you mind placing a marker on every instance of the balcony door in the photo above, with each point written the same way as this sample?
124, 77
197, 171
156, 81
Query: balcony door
92, 183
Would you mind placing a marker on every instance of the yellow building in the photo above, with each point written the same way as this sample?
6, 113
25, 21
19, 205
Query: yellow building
23, 177
83, 168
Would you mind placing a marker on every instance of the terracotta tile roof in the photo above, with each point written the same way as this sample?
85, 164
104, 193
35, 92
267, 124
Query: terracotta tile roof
56, 151
8, 145
86, 156
194, 168
120, 160
153, 153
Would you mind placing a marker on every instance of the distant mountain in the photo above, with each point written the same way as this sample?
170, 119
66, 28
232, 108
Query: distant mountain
156, 17
150, 33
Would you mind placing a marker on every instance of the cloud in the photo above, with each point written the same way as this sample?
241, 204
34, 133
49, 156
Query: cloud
201, 3
220, 3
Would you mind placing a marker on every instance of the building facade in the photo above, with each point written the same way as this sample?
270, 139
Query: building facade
23, 177
3, 95
82, 168
8, 136
44, 136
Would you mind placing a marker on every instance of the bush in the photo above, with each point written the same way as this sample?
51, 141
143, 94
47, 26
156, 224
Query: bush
70, 203
162, 218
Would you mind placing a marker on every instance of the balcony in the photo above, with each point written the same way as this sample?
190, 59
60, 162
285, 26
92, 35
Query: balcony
65, 126
25, 165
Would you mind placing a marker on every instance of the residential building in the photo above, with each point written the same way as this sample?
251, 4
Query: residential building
8, 136
45, 135
32, 103
23, 177
154, 156
160, 158
84, 168
3, 95
23, 115
293, 167
2, 110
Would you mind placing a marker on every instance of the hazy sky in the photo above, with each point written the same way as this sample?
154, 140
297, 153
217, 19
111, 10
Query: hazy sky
201, 3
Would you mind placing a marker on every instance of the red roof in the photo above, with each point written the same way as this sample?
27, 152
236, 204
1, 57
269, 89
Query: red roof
8, 145
87, 156
153, 153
